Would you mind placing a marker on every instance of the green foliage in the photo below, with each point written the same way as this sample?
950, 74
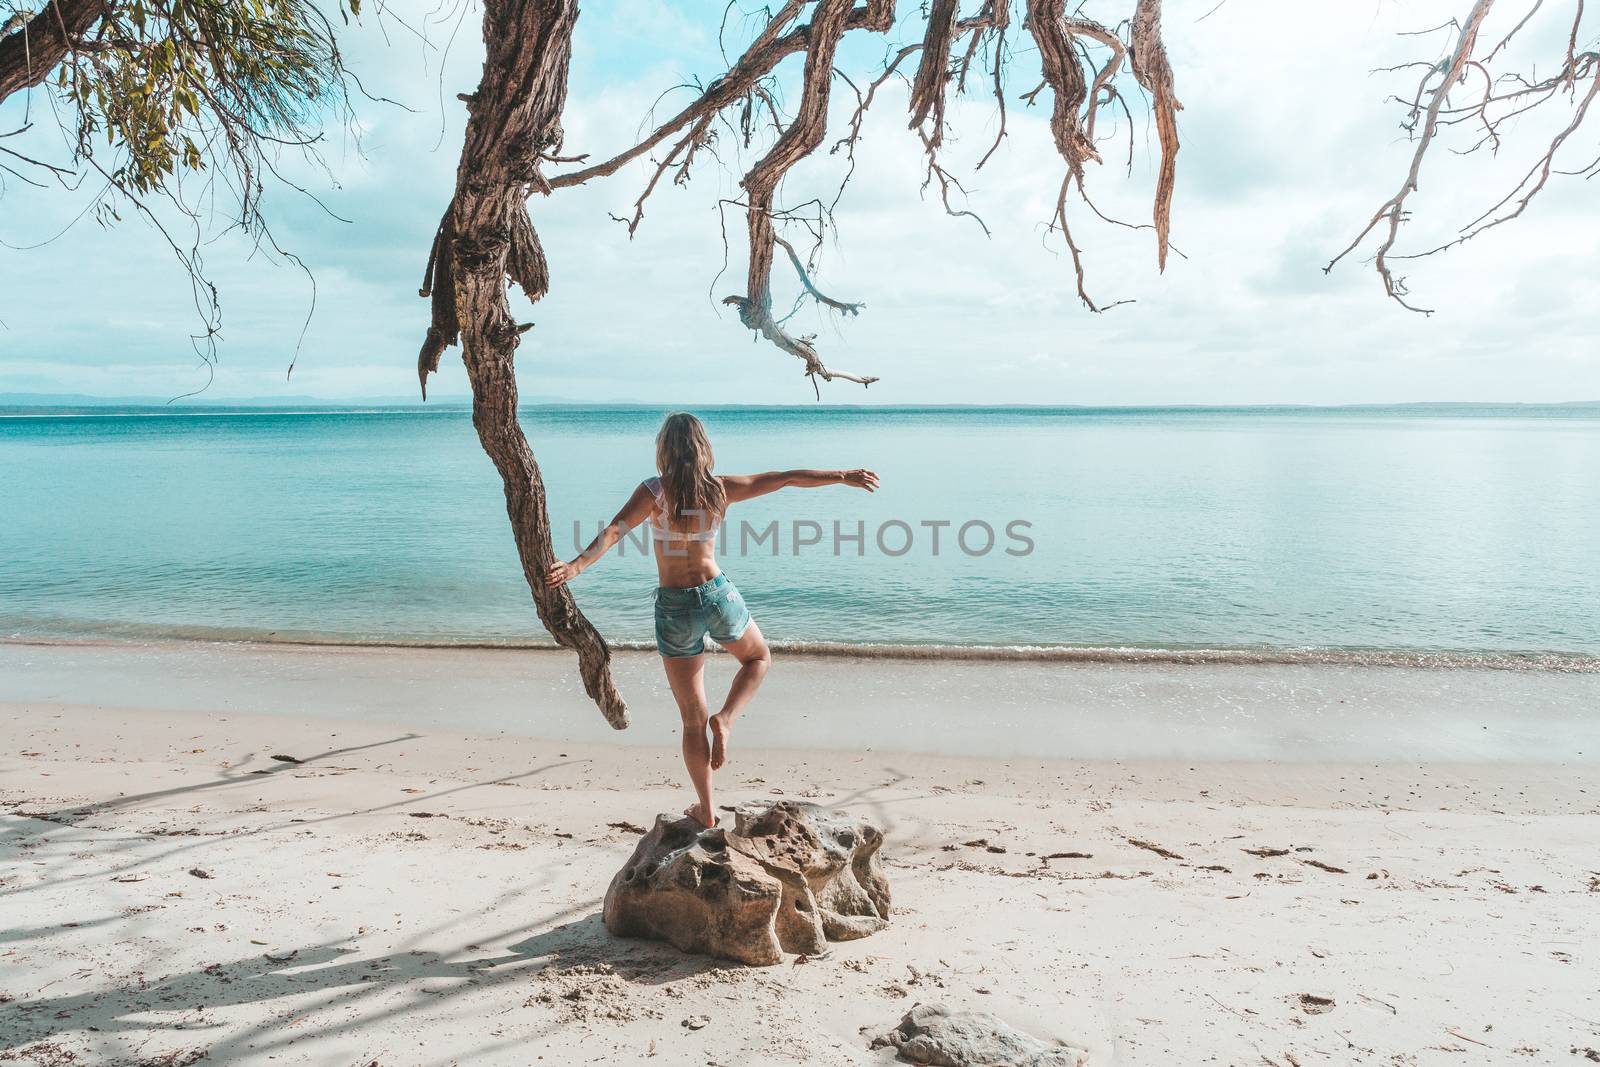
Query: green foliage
181, 82
153, 92
157, 88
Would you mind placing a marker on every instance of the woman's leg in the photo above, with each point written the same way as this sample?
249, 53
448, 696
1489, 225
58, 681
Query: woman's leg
754, 658
686, 675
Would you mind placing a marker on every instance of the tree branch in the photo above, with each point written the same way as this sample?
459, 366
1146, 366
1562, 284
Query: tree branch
1148, 56
829, 23
1392, 212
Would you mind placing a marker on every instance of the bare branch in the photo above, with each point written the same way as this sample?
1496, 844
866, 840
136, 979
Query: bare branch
1393, 211
800, 139
1059, 221
863, 103
770, 47
1532, 11
1532, 183
805, 279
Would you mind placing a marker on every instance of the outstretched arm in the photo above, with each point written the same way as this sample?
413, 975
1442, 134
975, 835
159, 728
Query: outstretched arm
635, 511
744, 486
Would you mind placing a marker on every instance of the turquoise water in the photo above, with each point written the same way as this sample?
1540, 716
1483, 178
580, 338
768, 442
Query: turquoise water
1433, 529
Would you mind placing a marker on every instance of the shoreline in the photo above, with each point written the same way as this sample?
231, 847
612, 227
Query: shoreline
1420, 658
1208, 712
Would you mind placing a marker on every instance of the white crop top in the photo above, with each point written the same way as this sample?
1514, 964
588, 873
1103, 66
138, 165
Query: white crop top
657, 521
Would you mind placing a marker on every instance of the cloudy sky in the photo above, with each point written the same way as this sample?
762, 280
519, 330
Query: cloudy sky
1289, 146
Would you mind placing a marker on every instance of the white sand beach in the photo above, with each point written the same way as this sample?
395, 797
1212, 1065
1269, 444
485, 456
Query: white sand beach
1237, 865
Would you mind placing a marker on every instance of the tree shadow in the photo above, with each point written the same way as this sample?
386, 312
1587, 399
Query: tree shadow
235, 774
30, 933
11, 838
355, 983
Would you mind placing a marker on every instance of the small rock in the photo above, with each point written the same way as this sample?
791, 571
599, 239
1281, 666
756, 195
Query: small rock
198, 873
933, 1034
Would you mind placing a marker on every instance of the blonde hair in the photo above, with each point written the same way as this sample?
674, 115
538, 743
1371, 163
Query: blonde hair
683, 457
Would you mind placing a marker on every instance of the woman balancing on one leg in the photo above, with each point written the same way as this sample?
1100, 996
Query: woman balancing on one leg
684, 508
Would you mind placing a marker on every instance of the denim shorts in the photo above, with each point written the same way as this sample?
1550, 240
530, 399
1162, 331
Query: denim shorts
685, 616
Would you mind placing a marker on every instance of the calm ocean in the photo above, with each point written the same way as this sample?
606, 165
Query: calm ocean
1437, 529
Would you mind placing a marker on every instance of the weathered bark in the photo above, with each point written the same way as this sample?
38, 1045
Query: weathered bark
1153, 71
1060, 48
927, 86
28, 55
1046, 21
486, 236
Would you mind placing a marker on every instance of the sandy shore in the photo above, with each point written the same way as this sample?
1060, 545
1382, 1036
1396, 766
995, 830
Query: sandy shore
424, 886
1132, 711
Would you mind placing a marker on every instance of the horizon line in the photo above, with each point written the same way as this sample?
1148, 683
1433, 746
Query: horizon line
63, 403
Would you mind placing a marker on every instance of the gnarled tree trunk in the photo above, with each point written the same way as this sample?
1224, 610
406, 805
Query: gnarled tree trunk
486, 237
34, 50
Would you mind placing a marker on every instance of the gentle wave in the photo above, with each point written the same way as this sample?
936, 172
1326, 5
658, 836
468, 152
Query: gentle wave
1424, 659
1354, 657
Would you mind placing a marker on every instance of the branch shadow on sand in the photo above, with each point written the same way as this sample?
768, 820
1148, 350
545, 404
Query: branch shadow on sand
362, 992
237, 773
13, 838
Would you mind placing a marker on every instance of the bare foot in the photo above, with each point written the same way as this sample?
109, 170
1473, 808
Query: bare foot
720, 729
698, 813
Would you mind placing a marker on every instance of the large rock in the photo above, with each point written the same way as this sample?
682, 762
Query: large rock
933, 1034
787, 878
